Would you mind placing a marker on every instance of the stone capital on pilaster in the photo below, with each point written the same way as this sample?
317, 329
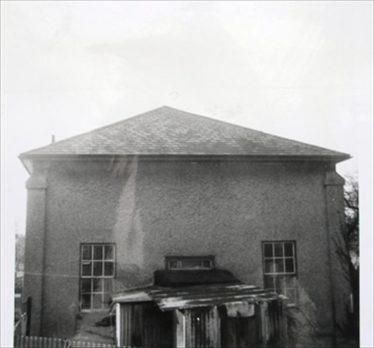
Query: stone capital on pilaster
38, 178
333, 179
37, 182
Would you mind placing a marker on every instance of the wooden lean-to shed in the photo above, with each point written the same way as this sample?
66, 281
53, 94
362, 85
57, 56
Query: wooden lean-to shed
220, 315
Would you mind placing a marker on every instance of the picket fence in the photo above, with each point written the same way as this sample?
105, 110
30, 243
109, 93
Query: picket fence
21, 341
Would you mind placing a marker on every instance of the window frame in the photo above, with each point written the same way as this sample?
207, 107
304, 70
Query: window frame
92, 277
180, 259
283, 276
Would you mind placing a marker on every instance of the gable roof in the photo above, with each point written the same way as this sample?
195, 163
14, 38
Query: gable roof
168, 131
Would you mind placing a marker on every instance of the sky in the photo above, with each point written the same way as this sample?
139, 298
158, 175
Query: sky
301, 70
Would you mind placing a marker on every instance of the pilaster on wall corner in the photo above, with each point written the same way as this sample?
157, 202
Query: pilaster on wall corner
334, 208
35, 247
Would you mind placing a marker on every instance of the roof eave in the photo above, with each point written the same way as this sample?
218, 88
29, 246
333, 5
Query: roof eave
183, 157
27, 163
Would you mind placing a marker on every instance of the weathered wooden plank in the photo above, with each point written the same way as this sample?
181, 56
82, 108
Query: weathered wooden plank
264, 324
215, 327
180, 333
201, 328
188, 331
284, 328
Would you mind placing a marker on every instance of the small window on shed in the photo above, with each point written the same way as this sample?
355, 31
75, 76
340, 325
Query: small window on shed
189, 262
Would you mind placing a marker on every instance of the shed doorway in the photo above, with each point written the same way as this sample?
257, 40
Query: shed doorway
145, 325
238, 332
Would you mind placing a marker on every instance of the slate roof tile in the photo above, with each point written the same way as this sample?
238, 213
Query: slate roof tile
168, 131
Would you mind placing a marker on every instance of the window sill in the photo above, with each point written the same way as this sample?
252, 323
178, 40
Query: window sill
101, 310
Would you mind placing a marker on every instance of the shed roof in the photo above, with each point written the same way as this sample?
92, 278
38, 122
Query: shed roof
168, 131
196, 296
177, 278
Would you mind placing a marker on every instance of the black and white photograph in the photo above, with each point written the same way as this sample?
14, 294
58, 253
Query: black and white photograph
187, 174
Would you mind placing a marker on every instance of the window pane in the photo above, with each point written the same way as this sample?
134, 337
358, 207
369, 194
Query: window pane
108, 268
86, 252
98, 252
108, 285
172, 264
98, 269
97, 285
86, 301
192, 263
86, 285
268, 250
206, 264
290, 266
269, 282
269, 266
278, 249
97, 301
108, 252
279, 267
86, 269
288, 249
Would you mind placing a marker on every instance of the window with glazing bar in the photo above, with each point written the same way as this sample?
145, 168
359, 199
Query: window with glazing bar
279, 262
97, 268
